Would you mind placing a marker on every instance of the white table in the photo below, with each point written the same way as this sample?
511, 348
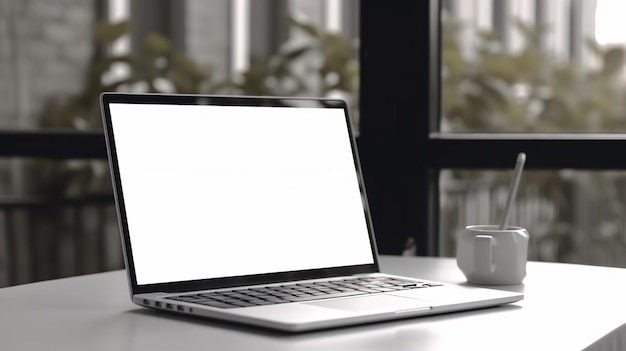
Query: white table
567, 307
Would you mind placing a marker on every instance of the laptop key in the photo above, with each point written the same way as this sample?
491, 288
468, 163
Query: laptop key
281, 295
258, 302
367, 290
276, 300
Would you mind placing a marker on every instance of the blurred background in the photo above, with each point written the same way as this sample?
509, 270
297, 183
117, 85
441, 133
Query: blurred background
507, 66
537, 67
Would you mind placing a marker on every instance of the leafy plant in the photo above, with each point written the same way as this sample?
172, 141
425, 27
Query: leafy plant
311, 63
157, 68
315, 64
527, 90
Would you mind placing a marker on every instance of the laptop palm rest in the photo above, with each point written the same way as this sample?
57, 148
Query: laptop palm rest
374, 304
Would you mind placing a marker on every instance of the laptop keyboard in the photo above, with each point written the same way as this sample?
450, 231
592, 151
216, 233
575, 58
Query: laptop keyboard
300, 292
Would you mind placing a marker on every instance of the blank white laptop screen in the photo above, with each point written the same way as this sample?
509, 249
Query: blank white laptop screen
220, 191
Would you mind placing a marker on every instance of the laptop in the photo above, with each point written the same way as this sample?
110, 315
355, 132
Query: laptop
253, 210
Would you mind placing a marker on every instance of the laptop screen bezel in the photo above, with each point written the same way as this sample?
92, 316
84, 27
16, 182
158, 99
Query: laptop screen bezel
175, 99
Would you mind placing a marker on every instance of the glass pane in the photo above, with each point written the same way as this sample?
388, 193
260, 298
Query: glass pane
57, 219
572, 216
533, 66
56, 56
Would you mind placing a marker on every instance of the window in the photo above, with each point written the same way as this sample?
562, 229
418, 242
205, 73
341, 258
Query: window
55, 193
432, 143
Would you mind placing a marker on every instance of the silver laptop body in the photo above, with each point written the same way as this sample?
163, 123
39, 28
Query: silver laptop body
253, 210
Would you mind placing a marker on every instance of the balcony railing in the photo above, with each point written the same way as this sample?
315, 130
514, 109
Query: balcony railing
46, 236
591, 233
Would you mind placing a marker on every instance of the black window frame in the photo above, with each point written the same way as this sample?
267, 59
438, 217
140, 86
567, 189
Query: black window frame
401, 147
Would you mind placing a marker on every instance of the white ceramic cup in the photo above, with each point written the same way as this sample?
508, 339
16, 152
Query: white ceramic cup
491, 256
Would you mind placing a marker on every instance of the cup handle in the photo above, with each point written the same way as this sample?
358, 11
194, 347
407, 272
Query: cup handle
482, 254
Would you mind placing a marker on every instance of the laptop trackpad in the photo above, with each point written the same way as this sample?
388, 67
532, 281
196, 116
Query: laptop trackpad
373, 304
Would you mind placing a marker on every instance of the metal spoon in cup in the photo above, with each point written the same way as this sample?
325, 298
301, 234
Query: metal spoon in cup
517, 174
